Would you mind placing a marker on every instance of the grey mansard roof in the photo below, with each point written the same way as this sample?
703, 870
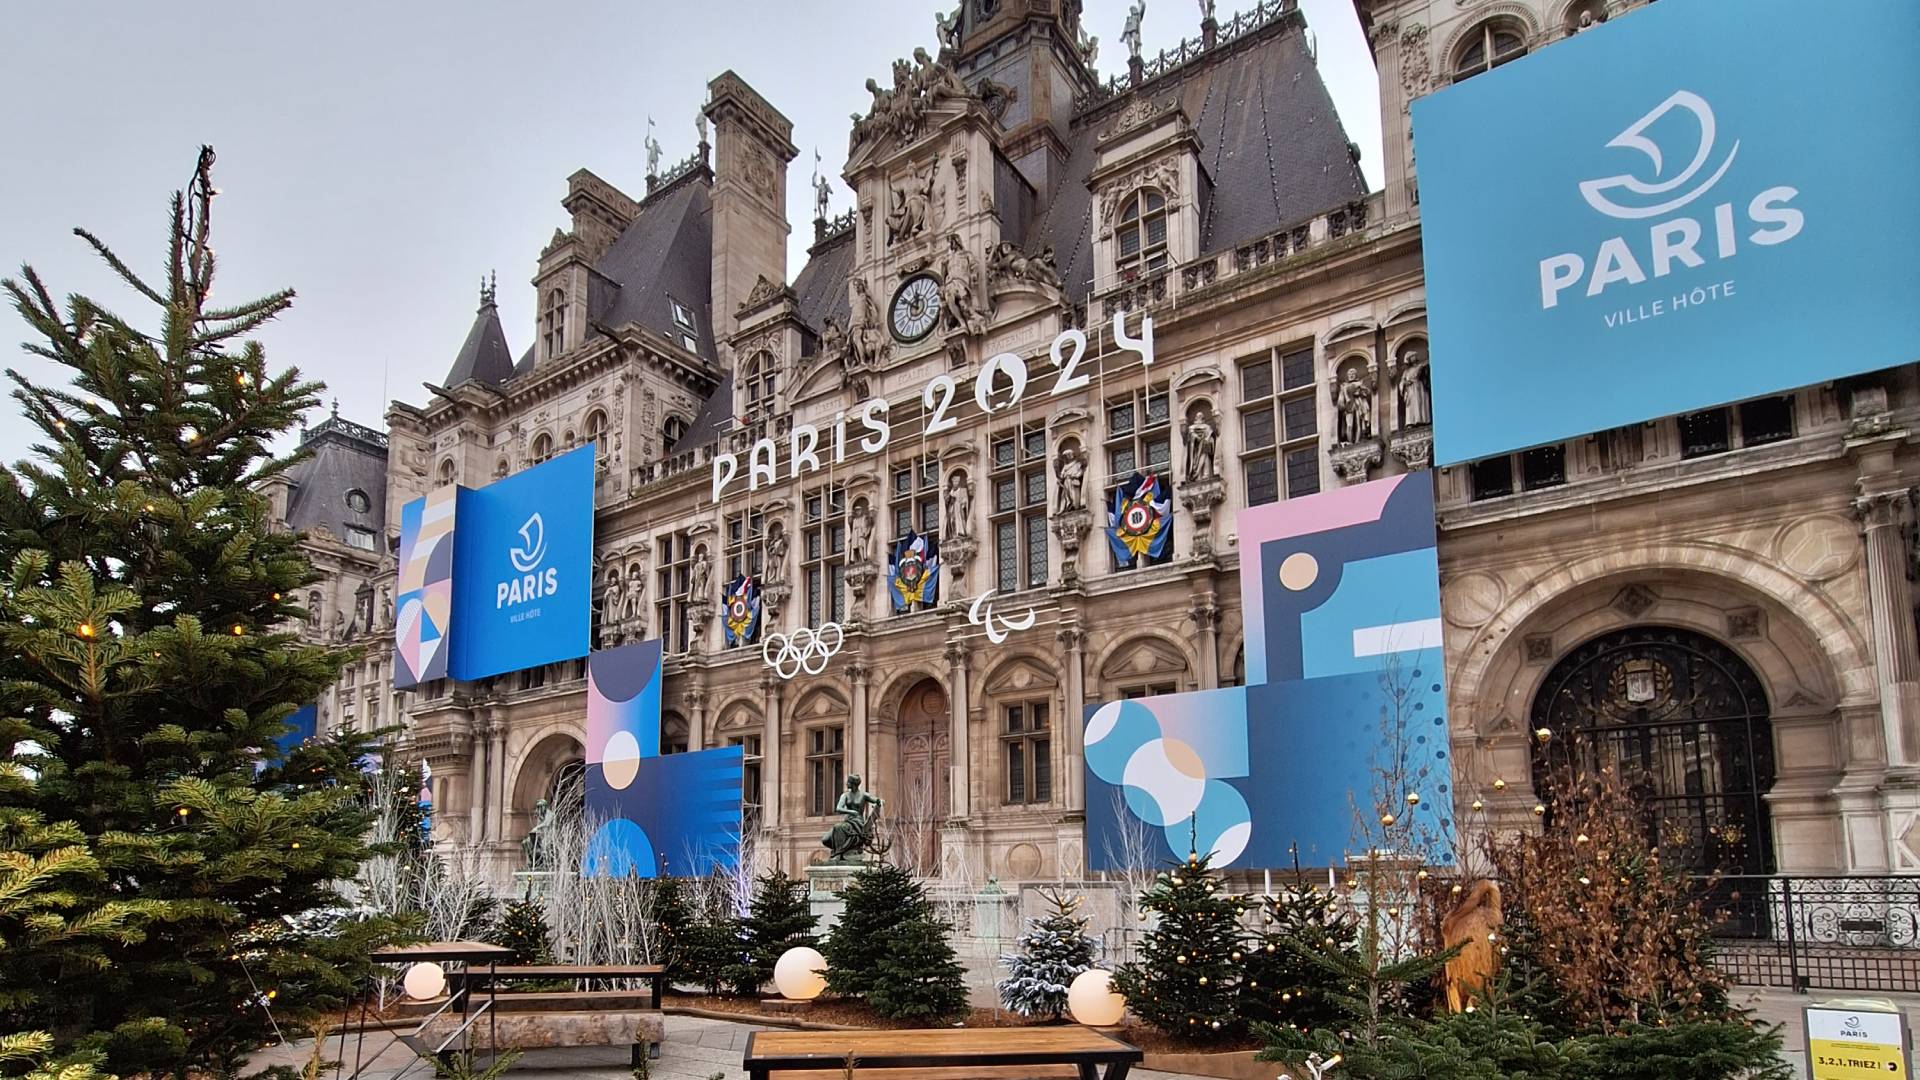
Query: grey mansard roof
666, 254
341, 457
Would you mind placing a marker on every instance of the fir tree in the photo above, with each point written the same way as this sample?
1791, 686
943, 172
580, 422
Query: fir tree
1054, 949
1283, 985
918, 977
879, 898
145, 673
676, 922
1186, 981
523, 928
780, 918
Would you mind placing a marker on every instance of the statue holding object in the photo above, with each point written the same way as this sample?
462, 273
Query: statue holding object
853, 837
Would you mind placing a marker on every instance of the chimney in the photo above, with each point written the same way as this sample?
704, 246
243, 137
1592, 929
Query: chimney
752, 145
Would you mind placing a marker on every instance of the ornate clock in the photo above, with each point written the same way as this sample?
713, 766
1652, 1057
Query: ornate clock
916, 308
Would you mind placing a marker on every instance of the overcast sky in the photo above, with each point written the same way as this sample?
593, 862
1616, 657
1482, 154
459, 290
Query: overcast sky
379, 157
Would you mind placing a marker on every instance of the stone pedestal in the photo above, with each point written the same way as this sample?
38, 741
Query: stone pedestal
825, 883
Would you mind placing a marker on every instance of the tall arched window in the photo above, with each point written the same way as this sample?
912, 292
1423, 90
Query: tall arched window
553, 323
762, 380
1684, 721
596, 426
1487, 46
671, 433
542, 447
1142, 234
446, 471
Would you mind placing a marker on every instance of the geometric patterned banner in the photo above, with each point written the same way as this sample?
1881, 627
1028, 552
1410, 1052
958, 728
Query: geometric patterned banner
423, 610
1340, 592
652, 815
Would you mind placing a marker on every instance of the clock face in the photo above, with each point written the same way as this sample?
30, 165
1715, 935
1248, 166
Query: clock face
916, 307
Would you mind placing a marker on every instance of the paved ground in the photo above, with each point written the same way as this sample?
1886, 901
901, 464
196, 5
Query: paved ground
694, 1049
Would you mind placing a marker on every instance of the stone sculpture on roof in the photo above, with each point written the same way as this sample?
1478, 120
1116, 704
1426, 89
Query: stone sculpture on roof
1130, 34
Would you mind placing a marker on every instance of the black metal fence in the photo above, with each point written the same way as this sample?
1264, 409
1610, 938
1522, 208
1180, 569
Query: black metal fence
1826, 933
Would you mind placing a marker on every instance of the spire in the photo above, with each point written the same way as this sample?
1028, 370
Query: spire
484, 356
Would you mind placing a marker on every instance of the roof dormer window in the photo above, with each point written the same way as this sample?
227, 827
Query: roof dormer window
683, 315
358, 502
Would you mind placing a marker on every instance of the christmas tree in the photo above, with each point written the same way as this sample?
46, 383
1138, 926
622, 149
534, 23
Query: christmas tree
1054, 949
676, 921
780, 918
878, 899
1284, 986
147, 673
1186, 981
523, 928
918, 977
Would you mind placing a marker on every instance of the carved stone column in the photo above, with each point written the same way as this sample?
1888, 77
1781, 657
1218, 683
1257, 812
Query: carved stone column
770, 686
1206, 618
1073, 646
960, 782
1883, 517
498, 796
697, 719
858, 672
477, 781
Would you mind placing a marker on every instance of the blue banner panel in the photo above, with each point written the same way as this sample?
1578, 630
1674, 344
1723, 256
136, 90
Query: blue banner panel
1345, 688
1691, 204
522, 582
652, 815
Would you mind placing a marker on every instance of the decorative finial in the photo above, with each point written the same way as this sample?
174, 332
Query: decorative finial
336, 408
488, 290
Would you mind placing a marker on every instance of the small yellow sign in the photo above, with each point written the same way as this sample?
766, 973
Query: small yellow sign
1855, 1044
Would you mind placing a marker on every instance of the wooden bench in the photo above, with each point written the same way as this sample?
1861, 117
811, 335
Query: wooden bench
1068, 1052
545, 1019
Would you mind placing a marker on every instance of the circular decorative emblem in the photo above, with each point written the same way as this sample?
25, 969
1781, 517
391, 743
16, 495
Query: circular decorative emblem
916, 308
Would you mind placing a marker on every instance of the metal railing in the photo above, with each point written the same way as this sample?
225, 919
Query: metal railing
1856, 933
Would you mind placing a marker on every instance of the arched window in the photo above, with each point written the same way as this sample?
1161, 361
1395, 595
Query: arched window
1684, 721
1487, 46
596, 425
542, 447
671, 433
358, 502
1142, 235
447, 471
762, 380
553, 323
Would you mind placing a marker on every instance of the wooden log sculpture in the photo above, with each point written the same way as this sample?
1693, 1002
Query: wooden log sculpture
1472, 926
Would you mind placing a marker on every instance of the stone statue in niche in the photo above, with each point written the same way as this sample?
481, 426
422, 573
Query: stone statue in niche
611, 600
861, 549
961, 307
386, 606
776, 566
910, 207
1130, 33
959, 520
1354, 399
1416, 395
867, 335
1201, 434
1071, 475
833, 339
701, 576
339, 632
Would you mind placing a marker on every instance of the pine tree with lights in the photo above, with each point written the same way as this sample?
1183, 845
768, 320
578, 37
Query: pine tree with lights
1054, 949
1186, 980
677, 923
523, 928
1284, 986
146, 672
779, 918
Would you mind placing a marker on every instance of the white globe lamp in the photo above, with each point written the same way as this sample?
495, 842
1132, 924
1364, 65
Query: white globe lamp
1092, 1000
798, 974
424, 980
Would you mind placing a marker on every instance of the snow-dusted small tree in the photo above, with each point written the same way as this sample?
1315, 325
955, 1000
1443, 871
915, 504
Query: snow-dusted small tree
1054, 949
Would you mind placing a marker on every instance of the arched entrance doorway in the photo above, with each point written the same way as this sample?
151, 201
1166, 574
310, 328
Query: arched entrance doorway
925, 757
1685, 721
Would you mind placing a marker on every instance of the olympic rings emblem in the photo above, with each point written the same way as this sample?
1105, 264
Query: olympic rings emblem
805, 650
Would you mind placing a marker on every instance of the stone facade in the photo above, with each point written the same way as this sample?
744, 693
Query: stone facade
1290, 358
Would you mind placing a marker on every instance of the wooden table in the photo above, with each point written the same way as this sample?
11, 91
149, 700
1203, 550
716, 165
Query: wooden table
1083, 1049
443, 952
